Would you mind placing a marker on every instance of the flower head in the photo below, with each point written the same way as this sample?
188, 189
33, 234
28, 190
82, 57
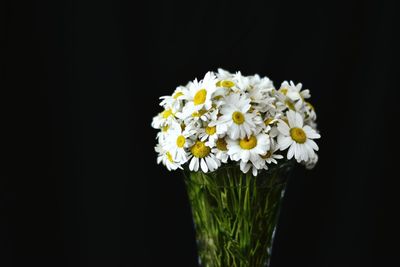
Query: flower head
297, 137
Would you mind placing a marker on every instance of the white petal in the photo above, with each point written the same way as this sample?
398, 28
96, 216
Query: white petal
298, 120
207, 160
311, 133
256, 160
203, 165
310, 151
262, 139
284, 142
303, 151
234, 131
254, 171
233, 149
260, 149
191, 164
196, 164
214, 163
244, 167
293, 95
247, 130
291, 116
297, 154
283, 128
245, 155
312, 144
290, 152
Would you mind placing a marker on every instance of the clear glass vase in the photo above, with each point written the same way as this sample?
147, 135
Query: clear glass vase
235, 214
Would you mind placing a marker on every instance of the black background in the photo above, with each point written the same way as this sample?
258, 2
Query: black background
81, 80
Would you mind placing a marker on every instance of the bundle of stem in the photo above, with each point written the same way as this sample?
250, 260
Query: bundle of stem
235, 214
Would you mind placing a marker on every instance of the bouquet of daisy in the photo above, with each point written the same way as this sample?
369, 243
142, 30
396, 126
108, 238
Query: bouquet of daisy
236, 137
230, 118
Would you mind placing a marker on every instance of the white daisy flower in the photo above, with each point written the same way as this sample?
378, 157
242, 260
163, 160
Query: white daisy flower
249, 149
284, 103
271, 156
162, 135
310, 111
201, 115
224, 74
199, 95
242, 82
208, 135
293, 91
167, 117
177, 141
297, 137
202, 157
234, 120
220, 150
175, 101
260, 100
226, 79
246, 166
165, 157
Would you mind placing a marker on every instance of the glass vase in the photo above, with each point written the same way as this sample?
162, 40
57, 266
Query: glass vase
235, 214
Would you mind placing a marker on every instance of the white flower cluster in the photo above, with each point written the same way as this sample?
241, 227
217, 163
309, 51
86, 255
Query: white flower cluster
235, 119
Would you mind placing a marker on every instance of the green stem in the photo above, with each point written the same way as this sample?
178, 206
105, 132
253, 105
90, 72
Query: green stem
235, 214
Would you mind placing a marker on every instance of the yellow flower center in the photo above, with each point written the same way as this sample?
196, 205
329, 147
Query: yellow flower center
169, 156
165, 128
200, 150
268, 121
248, 143
166, 113
176, 95
227, 84
200, 97
199, 113
268, 155
309, 105
180, 141
210, 130
221, 144
238, 117
283, 90
289, 105
298, 135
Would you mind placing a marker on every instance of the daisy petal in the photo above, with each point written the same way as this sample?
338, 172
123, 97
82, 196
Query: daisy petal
283, 128
245, 155
284, 142
291, 116
234, 134
203, 165
312, 144
298, 120
311, 133
290, 152
196, 164
254, 171
297, 154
